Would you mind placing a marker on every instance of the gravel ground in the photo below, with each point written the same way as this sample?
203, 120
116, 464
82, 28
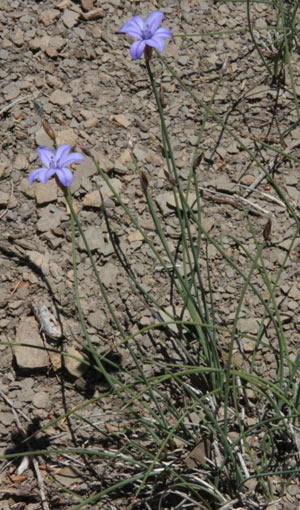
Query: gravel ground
66, 59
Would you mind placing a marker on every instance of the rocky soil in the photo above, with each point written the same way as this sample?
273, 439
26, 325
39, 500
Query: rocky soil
65, 61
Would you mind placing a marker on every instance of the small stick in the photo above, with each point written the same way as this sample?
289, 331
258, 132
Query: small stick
259, 179
237, 198
267, 195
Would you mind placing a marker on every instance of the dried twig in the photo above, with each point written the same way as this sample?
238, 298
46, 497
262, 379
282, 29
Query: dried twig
260, 178
236, 200
266, 195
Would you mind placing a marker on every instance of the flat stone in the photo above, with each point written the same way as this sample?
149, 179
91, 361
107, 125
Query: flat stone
70, 18
27, 392
207, 224
5, 167
57, 42
294, 194
192, 202
35, 43
41, 400
12, 92
21, 162
4, 198
161, 201
46, 193
87, 5
249, 325
34, 356
49, 220
106, 191
49, 16
35, 257
74, 366
106, 164
61, 98
108, 274
97, 319
83, 170
93, 199
223, 184
91, 122
247, 180
95, 239
18, 37
41, 138
292, 179
122, 120
67, 477
94, 14
3, 54
135, 236
66, 137
54, 81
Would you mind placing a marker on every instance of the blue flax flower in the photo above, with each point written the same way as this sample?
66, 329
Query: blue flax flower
147, 33
56, 164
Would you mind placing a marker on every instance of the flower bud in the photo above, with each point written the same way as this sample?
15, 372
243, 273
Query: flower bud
267, 229
162, 97
85, 150
48, 129
144, 183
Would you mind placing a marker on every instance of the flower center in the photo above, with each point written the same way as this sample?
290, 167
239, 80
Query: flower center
147, 34
53, 163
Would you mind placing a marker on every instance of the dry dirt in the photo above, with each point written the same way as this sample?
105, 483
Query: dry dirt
79, 73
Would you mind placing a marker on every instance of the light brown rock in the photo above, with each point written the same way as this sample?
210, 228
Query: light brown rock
67, 136
21, 162
92, 199
70, 18
74, 364
32, 354
61, 98
18, 37
122, 120
87, 5
35, 257
46, 193
49, 16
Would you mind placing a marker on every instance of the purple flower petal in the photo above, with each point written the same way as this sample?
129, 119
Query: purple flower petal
35, 174
72, 158
163, 32
156, 42
56, 164
45, 154
137, 48
153, 20
48, 172
62, 154
147, 32
133, 27
65, 176
137, 34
